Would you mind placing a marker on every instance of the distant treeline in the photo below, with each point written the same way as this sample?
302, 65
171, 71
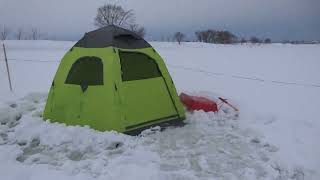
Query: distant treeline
206, 36
21, 34
221, 37
227, 37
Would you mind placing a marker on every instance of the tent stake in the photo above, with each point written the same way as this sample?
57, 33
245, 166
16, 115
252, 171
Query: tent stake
6, 60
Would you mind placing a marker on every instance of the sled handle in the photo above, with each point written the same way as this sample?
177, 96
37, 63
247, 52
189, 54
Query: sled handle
226, 102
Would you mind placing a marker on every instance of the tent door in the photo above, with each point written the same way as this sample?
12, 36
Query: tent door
86, 74
146, 96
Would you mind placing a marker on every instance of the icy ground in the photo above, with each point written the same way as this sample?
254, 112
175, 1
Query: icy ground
275, 136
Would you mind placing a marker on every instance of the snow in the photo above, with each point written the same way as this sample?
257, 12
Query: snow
276, 87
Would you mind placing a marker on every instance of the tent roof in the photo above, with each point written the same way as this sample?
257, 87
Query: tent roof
112, 36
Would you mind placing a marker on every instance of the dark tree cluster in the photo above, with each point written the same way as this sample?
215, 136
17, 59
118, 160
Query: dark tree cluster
217, 37
255, 40
226, 37
267, 41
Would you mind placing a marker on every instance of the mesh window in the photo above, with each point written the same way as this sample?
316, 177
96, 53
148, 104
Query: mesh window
136, 66
86, 71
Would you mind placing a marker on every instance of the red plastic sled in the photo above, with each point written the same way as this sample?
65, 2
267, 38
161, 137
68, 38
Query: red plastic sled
198, 103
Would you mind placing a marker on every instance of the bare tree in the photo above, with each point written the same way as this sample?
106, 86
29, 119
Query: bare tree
179, 36
19, 34
110, 14
141, 31
4, 33
35, 33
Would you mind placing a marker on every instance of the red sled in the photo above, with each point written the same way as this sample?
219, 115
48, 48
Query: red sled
198, 103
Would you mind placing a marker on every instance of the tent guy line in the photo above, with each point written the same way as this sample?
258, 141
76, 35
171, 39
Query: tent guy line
206, 72
243, 77
33, 60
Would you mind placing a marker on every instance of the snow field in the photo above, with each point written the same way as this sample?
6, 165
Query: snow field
274, 137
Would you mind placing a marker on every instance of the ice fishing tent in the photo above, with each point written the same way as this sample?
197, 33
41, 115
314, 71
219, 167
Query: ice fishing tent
112, 79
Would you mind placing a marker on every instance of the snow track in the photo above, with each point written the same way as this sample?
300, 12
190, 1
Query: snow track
209, 146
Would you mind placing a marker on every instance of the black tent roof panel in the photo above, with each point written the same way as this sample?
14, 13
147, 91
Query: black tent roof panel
112, 36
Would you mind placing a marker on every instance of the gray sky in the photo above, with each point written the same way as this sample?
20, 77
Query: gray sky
69, 19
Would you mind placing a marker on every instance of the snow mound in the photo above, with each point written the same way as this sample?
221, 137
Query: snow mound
209, 146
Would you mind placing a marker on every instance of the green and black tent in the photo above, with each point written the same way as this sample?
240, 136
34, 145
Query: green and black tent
112, 79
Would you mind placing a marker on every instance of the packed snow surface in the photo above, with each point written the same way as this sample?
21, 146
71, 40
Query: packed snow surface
276, 87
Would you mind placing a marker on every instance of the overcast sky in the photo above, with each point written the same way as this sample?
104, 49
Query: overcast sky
69, 19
